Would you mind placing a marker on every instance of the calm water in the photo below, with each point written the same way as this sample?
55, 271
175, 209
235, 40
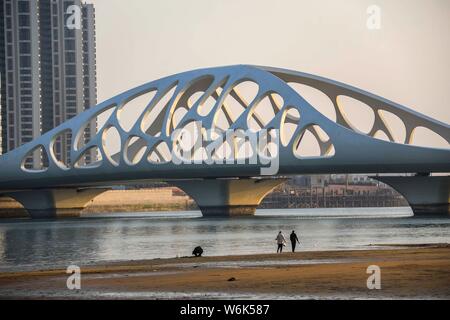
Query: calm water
26, 244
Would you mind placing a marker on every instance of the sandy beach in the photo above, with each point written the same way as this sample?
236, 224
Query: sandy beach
406, 272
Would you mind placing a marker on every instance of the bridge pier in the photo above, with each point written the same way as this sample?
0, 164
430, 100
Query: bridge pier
427, 195
55, 203
228, 197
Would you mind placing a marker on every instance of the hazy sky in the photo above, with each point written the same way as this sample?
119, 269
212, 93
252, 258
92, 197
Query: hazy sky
407, 60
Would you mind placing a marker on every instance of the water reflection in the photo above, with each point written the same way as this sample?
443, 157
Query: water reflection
47, 244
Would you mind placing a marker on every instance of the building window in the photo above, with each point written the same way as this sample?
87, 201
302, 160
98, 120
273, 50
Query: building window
69, 33
24, 7
71, 98
24, 21
70, 57
25, 62
8, 9
69, 44
25, 48
24, 34
71, 82
71, 70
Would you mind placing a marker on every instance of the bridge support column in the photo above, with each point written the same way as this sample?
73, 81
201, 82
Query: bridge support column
427, 195
230, 197
55, 203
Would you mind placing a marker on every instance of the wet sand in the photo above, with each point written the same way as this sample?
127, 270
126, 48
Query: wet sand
418, 272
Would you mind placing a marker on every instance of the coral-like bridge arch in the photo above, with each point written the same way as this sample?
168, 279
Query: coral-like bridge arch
138, 137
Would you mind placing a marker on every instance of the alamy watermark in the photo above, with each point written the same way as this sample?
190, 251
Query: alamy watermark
374, 17
374, 280
229, 147
74, 280
73, 21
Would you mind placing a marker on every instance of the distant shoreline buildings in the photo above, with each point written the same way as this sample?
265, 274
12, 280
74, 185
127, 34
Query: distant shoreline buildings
333, 191
48, 69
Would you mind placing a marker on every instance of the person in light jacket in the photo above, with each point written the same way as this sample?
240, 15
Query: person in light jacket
281, 240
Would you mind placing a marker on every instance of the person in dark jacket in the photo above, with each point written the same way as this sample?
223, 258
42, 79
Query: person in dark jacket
294, 240
198, 251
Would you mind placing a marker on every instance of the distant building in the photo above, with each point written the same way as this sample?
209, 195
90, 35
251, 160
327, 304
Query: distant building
310, 181
301, 181
320, 181
351, 179
2, 78
48, 69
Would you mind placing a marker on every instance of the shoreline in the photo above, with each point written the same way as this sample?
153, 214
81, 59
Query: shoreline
407, 271
309, 213
100, 267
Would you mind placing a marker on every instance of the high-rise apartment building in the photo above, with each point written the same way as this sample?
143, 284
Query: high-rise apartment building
48, 68
2, 77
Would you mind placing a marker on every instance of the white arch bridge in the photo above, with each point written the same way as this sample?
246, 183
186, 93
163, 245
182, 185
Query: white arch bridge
227, 136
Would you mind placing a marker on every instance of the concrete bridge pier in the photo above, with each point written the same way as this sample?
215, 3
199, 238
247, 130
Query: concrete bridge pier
55, 203
427, 195
228, 197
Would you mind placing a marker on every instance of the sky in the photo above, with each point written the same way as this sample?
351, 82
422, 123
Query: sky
406, 60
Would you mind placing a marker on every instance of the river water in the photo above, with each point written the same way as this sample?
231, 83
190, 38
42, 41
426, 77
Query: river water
31, 245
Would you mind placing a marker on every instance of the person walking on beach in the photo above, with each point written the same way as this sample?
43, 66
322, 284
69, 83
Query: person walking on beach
280, 241
294, 240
